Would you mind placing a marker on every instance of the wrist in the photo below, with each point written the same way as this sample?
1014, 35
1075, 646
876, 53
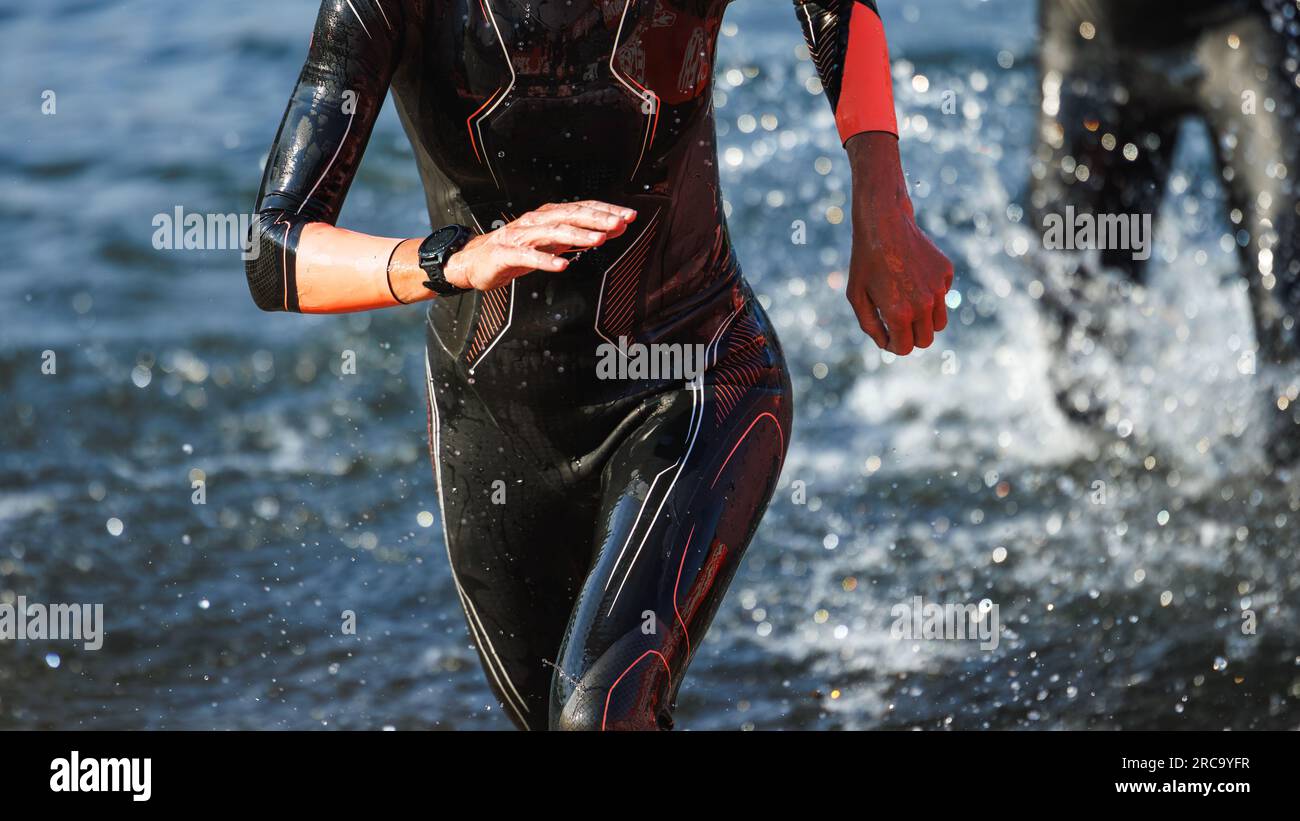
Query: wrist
405, 276
456, 271
879, 186
874, 153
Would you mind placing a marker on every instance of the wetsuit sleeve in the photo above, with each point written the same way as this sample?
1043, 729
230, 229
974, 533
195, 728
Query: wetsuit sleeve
353, 53
847, 41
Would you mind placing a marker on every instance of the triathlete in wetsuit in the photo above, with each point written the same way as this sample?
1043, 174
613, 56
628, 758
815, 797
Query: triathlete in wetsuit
593, 515
1119, 77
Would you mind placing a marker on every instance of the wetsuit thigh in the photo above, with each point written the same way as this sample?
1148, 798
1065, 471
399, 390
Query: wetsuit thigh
682, 497
1251, 100
1108, 125
518, 541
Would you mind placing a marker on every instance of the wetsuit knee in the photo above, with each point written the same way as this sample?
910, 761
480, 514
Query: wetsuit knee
627, 688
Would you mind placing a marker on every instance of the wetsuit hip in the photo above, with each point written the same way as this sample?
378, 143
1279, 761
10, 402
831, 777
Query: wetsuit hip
592, 537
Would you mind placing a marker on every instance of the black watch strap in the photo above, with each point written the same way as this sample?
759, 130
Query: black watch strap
436, 250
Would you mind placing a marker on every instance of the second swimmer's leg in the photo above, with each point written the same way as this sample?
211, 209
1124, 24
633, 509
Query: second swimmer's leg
682, 498
1252, 103
1107, 135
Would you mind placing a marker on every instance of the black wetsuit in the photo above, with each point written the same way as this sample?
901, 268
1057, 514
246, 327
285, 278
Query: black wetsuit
592, 524
1146, 66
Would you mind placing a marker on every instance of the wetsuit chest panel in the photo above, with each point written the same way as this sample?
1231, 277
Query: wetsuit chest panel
529, 101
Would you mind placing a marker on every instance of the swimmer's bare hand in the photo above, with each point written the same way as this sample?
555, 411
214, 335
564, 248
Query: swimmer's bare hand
898, 279
535, 242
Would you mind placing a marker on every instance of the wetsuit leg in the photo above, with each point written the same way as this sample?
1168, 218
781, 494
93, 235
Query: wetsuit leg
518, 535
1252, 103
681, 499
1107, 136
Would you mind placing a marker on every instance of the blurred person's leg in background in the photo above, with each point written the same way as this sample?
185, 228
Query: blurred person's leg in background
1250, 96
1118, 79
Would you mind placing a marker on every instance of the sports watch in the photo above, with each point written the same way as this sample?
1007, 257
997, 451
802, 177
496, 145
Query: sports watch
436, 249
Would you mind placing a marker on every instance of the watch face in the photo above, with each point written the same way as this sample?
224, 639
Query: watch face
433, 255
443, 235
436, 244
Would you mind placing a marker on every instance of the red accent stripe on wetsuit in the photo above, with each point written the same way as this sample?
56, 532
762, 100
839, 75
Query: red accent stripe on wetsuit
866, 91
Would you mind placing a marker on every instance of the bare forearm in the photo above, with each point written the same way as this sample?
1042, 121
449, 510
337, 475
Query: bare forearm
877, 170
341, 271
873, 150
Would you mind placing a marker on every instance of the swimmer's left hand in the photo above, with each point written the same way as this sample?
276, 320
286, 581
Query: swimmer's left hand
898, 279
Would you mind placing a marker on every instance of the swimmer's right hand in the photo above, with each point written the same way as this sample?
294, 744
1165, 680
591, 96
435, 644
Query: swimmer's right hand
535, 242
